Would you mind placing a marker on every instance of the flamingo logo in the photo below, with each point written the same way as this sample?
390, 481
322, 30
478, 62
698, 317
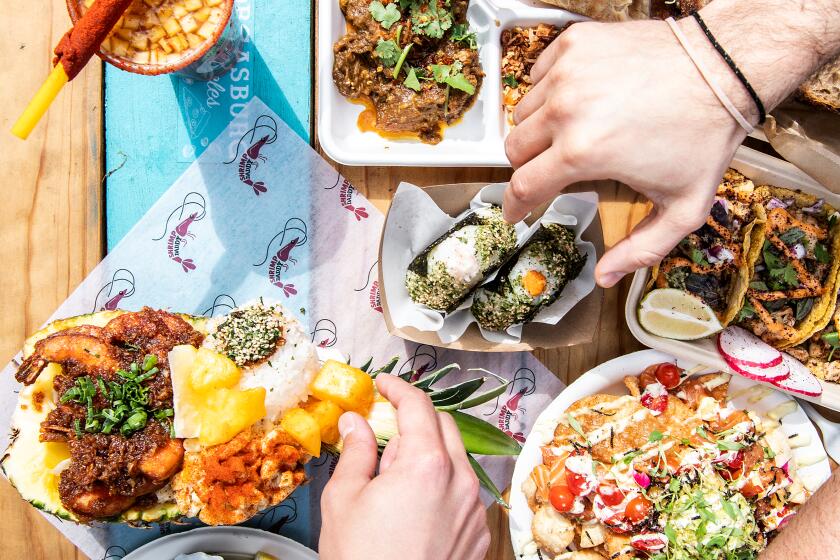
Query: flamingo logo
374, 297
423, 360
191, 210
119, 288
222, 304
325, 333
293, 235
262, 134
345, 197
510, 417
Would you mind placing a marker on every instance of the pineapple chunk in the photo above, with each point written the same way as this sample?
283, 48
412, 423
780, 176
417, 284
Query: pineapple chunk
171, 26
178, 43
139, 43
212, 370
156, 34
207, 30
188, 23
179, 11
131, 22
348, 387
194, 40
202, 15
120, 47
326, 413
193, 5
213, 2
303, 427
228, 411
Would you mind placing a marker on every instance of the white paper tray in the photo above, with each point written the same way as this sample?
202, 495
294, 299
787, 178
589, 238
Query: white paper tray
477, 140
762, 169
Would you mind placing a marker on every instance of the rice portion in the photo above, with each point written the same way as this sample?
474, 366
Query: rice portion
273, 350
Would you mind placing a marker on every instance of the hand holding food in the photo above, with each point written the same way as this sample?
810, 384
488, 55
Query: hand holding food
596, 113
424, 501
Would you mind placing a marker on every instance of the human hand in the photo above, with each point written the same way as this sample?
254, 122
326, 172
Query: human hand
423, 504
624, 102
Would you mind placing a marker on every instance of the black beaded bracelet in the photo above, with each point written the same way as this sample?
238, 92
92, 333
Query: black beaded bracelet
762, 114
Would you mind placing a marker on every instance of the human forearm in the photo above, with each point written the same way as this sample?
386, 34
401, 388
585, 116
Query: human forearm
814, 532
777, 44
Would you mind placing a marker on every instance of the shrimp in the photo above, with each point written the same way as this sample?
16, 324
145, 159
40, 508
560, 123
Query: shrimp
82, 351
162, 463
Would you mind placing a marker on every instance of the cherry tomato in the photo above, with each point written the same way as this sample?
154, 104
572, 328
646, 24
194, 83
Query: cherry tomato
561, 498
577, 483
610, 494
657, 404
731, 474
638, 509
668, 374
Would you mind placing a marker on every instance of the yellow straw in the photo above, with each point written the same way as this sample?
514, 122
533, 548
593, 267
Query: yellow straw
40, 103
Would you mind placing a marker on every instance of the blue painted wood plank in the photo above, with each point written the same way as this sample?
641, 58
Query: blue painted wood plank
155, 126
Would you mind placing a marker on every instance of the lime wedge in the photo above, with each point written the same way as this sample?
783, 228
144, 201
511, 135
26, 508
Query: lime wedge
672, 313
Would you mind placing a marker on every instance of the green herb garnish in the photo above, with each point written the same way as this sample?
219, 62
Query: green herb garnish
388, 52
655, 435
385, 15
510, 80
411, 81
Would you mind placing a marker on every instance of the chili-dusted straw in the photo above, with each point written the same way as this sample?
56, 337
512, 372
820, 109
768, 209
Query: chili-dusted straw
73, 52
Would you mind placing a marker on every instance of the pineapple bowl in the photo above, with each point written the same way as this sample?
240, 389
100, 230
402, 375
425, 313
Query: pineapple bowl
211, 418
161, 36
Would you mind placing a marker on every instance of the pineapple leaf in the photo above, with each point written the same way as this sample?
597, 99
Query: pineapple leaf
482, 438
407, 375
426, 382
387, 368
456, 393
366, 367
487, 482
478, 399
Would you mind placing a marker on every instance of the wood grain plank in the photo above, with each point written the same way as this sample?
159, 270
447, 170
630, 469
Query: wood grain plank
51, 236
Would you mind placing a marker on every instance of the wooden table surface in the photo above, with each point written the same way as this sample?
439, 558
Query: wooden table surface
56, 193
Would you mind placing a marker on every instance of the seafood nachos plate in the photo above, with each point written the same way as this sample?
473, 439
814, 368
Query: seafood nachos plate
650, 520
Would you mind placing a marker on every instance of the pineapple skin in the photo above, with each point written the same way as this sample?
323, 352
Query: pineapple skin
134, 516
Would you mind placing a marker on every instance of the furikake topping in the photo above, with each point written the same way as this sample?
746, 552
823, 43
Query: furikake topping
127, 407
249, 335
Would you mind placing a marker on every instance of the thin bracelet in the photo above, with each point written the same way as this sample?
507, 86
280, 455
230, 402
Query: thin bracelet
762, 114
719, 93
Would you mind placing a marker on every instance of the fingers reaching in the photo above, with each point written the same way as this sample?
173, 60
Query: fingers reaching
453, 442
535, 182
416, 416
389, 453
357, 463
648, 243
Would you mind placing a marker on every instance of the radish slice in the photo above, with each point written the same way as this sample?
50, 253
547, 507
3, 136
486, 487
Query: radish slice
744, 348
801, 380
768, 374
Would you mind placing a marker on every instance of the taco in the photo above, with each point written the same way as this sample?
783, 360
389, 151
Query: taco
792, 290
821, 351
714, 262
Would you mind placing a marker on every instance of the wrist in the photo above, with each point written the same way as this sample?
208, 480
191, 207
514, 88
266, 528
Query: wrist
720, 72
777, 44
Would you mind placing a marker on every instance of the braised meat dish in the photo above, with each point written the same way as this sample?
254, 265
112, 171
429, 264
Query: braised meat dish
414, 63
115, 408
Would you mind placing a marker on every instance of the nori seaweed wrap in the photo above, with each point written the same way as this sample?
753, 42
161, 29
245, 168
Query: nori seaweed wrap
530, 281
444, 274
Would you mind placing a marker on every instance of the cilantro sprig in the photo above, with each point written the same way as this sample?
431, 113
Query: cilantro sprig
385, 15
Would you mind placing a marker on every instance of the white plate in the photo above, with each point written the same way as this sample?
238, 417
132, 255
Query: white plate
223, 540
762, 169
607, 378
477, 140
